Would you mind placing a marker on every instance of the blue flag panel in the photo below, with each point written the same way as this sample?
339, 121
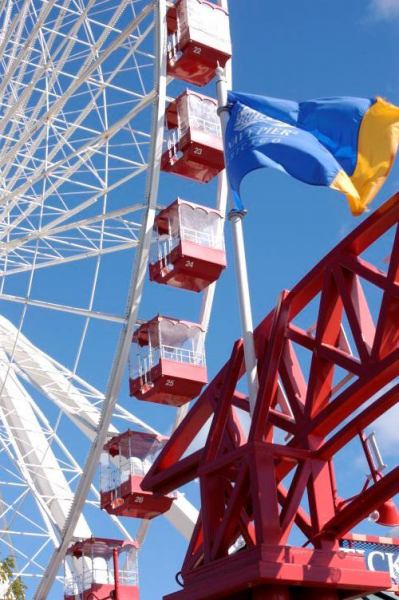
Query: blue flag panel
345, 143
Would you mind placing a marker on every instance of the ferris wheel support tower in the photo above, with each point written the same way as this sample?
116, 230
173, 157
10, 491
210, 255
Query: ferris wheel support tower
279, 479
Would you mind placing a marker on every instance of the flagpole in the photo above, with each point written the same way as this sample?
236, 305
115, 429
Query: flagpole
236, 217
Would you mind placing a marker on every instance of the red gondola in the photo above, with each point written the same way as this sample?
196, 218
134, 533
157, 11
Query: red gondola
101, 568
124, 462
170, 366
199, 40
188, 246
194, 143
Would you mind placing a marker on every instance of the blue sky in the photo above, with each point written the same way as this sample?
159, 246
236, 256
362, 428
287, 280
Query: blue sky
295, 50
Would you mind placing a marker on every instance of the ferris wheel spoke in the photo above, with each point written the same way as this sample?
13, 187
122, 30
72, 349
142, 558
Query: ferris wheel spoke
117, 231
42, 470
78, 400
15, 509
114, 215
92, 314
33, 446
137, 283
93, 83
35, 457
11, 507
66, 48
43, 478
19, 224
16, 61
67, 259
82, 103
78, 470
30, 560
64, 214
9, 25
45, 57
81, 78
80, 155
16, 532
67, 174
48, 379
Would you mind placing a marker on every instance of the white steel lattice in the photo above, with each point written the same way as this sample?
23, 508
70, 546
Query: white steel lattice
82, 102
77, 89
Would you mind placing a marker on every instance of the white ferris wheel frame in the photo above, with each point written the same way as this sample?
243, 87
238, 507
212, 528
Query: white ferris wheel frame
65, 519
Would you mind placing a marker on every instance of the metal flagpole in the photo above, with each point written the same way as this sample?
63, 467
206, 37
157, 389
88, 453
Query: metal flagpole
236, 216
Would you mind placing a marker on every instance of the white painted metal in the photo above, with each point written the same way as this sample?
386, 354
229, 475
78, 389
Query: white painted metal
78, 400
139, 274
56, 165
240, 267
33, 451
30, 440
65, 390
31, 436
75, 101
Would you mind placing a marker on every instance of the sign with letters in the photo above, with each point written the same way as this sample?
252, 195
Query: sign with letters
378, 557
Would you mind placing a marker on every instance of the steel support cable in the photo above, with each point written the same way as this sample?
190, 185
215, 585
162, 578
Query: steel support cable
66, 47
16, 193
134, 302
53, 228
26, 459
81, 77
16, 61
83, 152
20, 103
36, 491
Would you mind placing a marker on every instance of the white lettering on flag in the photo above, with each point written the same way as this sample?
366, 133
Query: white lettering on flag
252, 129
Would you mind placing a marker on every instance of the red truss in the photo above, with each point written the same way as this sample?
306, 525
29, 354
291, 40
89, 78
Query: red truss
316, 395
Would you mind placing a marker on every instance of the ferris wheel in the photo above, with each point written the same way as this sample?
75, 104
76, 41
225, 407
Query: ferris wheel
87, 90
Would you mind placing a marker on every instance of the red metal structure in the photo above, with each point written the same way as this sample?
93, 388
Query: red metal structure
274, 504
194, 142
105, 570
170, 365
199, 40
126, 459
189, 246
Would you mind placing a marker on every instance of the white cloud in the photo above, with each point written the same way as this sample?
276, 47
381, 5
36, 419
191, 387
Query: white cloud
386, 428
385, 9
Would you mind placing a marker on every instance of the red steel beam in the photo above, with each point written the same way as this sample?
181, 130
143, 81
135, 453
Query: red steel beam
359, 508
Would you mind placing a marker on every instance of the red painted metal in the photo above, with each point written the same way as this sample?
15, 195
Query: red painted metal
115, 560
199, 40
195, 146
320, 386
190, 249
90, 585
105, 591
388, 514
187, 382
172, 376
129, 500
124, 496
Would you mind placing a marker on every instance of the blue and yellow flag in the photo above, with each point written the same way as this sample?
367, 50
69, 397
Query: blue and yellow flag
347, 144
